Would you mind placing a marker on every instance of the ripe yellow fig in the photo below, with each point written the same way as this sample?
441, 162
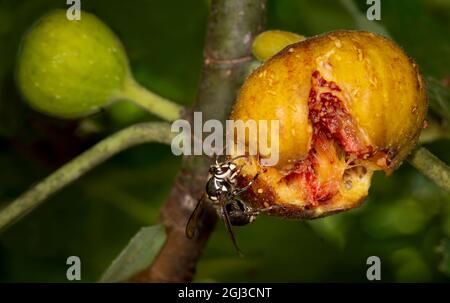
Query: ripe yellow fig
271, 42
348, 103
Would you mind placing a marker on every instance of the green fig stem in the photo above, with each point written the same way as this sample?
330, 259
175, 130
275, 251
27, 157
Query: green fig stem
430, 166
153, 103
134, 135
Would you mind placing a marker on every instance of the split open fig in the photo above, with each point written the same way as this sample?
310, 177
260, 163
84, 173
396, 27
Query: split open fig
348, 103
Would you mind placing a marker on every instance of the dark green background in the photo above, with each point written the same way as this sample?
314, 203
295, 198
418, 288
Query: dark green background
405, 221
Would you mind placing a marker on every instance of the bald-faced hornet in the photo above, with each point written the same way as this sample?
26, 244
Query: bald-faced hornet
222, 190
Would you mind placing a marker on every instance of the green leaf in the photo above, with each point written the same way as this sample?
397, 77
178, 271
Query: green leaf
444, 250
361, 20
137, 255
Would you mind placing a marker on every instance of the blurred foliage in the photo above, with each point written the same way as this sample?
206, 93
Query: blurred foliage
444, 250
438, 95
405, 221
137, 255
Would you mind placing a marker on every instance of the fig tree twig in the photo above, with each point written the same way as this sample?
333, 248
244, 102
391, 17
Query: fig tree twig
232, 25
429, 165
105, 149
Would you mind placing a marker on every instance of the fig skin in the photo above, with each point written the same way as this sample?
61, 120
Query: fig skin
70, 69
381, 89
271, 42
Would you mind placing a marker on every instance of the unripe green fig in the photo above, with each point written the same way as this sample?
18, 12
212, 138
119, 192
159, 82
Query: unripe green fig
72, 68
69, 68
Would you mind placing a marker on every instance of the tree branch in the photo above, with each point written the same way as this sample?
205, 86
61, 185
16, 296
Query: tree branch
429, 165
105, 149
232, 25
